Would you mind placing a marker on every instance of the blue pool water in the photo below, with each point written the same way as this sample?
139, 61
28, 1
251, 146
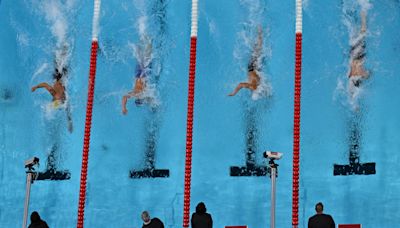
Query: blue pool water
31, 32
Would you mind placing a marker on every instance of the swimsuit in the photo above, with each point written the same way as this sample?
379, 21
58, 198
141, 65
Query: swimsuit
356, 80
252, 66
357, 51
140, 72
56, 103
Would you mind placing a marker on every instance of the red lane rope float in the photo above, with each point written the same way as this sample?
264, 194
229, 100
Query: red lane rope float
296, 133
296, 117
189, 133
86, 141
190, 110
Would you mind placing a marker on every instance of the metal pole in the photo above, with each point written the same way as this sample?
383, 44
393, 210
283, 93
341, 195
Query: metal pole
29, 175
273, 194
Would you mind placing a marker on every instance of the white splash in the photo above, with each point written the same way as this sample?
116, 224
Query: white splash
351, 10
264, 89
365, 5
150, 95
255, 9
39, 71
56, 13
56, 18
23, 39
51, 109
348, 93
141, 26
212, 27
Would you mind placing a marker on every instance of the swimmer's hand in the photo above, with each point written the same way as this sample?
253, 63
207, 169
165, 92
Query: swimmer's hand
34, 88
124, 111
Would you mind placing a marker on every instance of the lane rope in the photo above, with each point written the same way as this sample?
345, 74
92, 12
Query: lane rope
89, 111
190, 110
296, 117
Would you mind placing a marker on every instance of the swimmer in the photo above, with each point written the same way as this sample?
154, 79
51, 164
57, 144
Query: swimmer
357, 55
252, 75
57, 91
143, 68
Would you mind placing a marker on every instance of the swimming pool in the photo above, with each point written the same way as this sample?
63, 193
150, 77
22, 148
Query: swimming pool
225, 128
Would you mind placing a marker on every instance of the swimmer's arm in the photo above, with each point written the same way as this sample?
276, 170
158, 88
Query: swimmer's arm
45, 86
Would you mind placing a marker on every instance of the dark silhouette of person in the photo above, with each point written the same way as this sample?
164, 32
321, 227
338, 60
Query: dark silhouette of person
36, 221
151, 222
201, 219
321, 220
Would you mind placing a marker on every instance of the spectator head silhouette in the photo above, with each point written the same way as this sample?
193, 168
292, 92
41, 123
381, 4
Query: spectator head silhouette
319, 208
201, 208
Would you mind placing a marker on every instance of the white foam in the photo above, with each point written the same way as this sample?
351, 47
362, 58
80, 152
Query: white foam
349, 93
365, 4
50, 111
255, 10
39, 71
354, 92
56, 18
70, 4
150, 94
140, 5
56, 13
350, 20
263, 90
212, 27
142, 26
22, 36
22, 39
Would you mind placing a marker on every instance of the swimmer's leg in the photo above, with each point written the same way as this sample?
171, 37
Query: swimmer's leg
239, 87
124, 101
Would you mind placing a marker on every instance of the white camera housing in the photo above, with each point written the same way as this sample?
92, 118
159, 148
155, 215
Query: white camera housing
273, 155
31, 162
